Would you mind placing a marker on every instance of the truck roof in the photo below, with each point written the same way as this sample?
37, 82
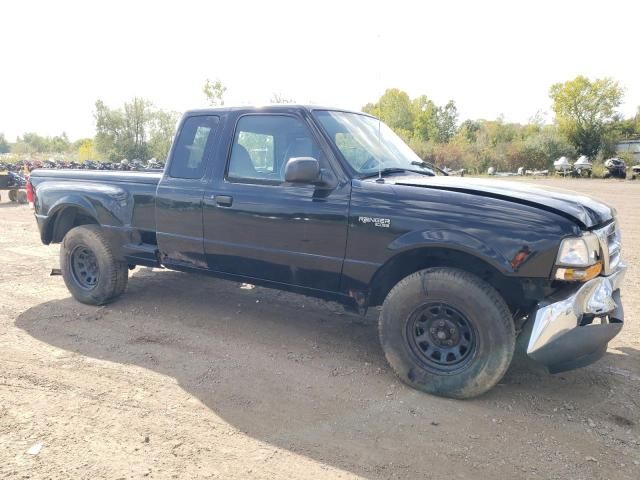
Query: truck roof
284, 107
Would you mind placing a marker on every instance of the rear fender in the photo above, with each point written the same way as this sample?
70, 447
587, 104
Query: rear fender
108, 204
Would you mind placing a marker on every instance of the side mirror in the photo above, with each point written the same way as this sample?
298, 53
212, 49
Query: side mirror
302, 170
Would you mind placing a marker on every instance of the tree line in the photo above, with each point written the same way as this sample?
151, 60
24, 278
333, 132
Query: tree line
586, 123
137, 130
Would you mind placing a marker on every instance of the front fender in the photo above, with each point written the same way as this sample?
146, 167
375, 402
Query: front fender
454, 240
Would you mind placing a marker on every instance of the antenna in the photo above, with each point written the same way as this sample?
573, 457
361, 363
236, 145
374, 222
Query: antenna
380, 179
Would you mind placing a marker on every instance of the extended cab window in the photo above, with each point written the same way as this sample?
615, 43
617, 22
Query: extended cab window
264, 143
196, 137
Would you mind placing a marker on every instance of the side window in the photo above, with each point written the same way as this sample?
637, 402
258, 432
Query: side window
196, 134
260, 148
264, 143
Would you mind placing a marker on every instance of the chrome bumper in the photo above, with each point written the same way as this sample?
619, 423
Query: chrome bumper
561, 340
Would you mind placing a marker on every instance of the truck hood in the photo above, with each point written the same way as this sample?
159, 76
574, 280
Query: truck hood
584, 210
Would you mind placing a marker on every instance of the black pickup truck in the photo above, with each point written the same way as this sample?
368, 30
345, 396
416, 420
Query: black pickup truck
331, 203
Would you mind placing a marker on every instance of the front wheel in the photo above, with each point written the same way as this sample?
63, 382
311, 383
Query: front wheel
90, 270
446, 332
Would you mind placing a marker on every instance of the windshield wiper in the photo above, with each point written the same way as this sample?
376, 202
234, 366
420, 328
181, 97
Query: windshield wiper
425, 164
386, 171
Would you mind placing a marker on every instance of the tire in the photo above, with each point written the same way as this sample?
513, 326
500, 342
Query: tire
13, 195
89, 268
442, 305
21, 197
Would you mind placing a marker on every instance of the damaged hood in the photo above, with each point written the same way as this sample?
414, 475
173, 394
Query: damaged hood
584, 210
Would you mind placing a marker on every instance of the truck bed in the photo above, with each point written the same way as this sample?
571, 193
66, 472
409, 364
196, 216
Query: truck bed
123, 202
145, 177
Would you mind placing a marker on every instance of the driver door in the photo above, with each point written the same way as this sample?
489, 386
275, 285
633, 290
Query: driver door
258, 226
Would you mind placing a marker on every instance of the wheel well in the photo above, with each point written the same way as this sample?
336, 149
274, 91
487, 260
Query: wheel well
409, 262
64, 220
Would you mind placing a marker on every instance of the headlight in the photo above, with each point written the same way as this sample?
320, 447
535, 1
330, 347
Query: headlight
579, 251
579, 258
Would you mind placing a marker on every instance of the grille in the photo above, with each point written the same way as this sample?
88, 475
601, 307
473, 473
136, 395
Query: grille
610, 245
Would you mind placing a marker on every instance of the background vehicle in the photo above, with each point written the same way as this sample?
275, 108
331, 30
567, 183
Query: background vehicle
616, 168
583, 167
15, 184
333, 204
563, 166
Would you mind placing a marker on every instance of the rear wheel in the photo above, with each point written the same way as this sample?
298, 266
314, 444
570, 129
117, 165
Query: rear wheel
21, 196
447, 332
13, 195
89, 268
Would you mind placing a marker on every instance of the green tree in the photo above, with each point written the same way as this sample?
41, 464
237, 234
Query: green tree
34, 143
137, 130
542, 148
419, 119
110, 126
625, 128
447, 121
138, 115
425, 119
214, 90
163, 127
4, 144
395, 109
468, 131
60, 144
583, 109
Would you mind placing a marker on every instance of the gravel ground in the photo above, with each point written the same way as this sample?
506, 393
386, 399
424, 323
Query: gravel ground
191, 377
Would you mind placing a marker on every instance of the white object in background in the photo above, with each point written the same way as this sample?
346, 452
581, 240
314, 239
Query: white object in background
35, 449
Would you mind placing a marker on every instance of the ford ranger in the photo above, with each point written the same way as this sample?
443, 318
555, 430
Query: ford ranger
332, 204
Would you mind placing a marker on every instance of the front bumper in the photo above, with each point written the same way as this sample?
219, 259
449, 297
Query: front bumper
573, 331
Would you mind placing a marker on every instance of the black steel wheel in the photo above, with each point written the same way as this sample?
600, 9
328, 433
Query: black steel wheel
89, 267
441, 337
84, 267
447, 332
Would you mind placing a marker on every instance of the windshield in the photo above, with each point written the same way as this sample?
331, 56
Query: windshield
368, 145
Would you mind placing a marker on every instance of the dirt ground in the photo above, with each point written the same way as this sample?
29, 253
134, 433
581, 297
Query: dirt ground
191, 377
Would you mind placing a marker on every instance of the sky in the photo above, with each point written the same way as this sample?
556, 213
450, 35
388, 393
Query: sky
493, 58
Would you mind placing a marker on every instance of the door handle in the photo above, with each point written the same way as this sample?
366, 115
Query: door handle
223, 200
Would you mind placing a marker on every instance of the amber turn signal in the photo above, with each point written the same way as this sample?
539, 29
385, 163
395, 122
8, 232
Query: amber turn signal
578, 274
